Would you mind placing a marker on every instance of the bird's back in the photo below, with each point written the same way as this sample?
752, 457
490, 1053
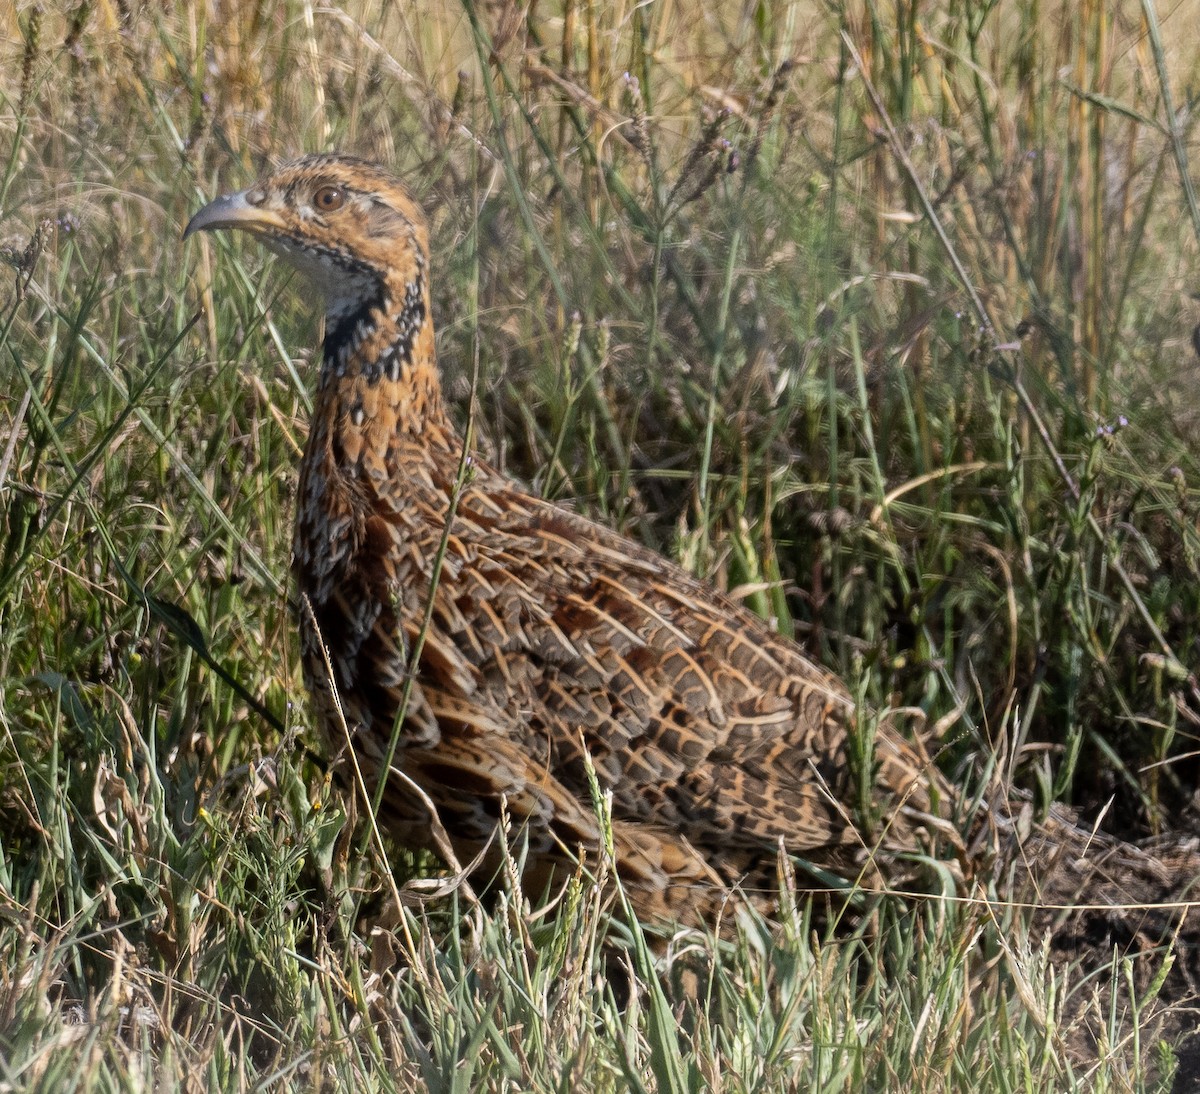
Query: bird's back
553, 642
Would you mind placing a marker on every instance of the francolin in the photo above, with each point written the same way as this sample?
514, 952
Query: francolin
547, 641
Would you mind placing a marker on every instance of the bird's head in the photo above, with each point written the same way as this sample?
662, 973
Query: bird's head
353, 229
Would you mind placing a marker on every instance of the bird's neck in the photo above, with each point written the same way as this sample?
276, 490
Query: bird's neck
379, 388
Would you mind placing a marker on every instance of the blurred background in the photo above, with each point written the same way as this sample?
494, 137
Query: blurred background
882, 317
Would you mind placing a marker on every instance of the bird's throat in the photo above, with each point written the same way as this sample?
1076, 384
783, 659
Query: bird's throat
379, 381
378, 334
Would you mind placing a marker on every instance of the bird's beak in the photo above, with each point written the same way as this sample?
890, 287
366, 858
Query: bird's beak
234, 211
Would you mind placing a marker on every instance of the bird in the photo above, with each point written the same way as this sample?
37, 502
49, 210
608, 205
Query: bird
493, 659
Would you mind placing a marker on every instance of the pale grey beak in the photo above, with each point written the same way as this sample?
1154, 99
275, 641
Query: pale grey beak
234, 211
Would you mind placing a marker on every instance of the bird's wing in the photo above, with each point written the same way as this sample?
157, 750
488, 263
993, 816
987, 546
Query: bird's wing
553, 643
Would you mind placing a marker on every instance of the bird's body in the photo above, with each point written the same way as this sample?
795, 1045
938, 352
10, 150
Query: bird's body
550, 640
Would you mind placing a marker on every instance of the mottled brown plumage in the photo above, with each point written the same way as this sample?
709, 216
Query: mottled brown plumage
551, 639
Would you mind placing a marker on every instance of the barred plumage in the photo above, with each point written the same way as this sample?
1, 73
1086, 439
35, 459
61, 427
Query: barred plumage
553, 639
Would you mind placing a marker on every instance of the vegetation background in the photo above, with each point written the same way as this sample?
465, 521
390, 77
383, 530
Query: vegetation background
880, 316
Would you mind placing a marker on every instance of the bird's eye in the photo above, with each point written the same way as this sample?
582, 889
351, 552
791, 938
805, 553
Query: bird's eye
329, 198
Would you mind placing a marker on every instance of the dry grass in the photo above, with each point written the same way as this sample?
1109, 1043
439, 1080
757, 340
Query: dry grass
882, 318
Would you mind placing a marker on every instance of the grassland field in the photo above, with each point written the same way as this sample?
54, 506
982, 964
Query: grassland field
882, 317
